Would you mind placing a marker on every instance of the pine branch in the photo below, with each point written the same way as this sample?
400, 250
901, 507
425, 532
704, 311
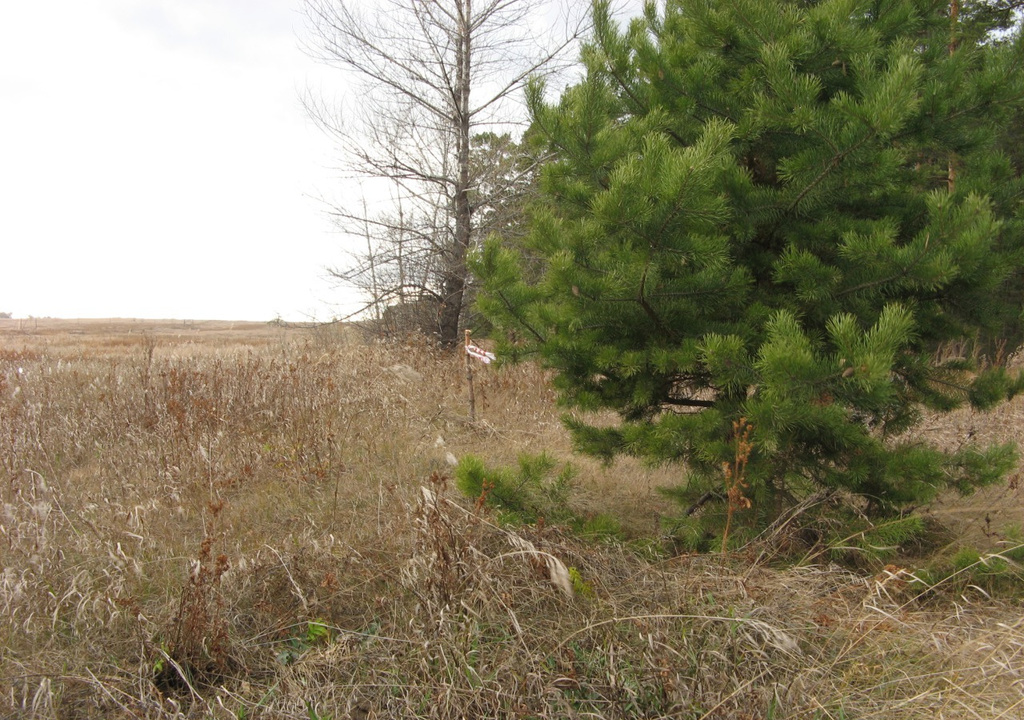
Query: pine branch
829, 167
648, 309
883, 281
512, 311
688, 402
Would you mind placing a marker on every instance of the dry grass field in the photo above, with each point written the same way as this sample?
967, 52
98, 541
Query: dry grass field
217, 520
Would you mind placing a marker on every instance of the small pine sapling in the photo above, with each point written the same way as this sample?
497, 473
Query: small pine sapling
747, 214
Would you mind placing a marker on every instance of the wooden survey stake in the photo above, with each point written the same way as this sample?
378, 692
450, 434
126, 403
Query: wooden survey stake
469, 380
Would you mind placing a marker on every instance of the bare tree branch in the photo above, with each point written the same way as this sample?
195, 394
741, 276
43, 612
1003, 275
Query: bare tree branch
415, 65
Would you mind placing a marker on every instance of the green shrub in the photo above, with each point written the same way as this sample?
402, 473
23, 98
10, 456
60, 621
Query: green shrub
535, 489
971, 569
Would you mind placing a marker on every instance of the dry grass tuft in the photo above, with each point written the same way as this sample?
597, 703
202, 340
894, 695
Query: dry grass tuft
199, 648
225, 528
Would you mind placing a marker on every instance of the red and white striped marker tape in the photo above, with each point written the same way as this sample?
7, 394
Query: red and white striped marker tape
479, 353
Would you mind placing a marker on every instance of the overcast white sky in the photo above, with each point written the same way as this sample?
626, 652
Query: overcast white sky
156, 162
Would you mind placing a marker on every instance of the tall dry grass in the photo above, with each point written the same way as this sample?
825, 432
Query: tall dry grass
237, 529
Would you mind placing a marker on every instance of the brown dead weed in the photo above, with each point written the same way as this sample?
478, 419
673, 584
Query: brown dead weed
265, 530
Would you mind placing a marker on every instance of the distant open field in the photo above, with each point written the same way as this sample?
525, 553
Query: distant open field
113, 331
228, 520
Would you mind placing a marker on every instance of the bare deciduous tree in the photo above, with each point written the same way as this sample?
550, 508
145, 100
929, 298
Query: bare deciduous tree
430, 75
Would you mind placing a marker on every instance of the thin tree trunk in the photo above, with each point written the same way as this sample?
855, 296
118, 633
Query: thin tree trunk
954, 42
455, 280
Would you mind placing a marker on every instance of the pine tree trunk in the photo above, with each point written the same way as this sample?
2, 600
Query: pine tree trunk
954, 42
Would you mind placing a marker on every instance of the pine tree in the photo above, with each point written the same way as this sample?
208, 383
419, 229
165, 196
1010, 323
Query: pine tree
777, 210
